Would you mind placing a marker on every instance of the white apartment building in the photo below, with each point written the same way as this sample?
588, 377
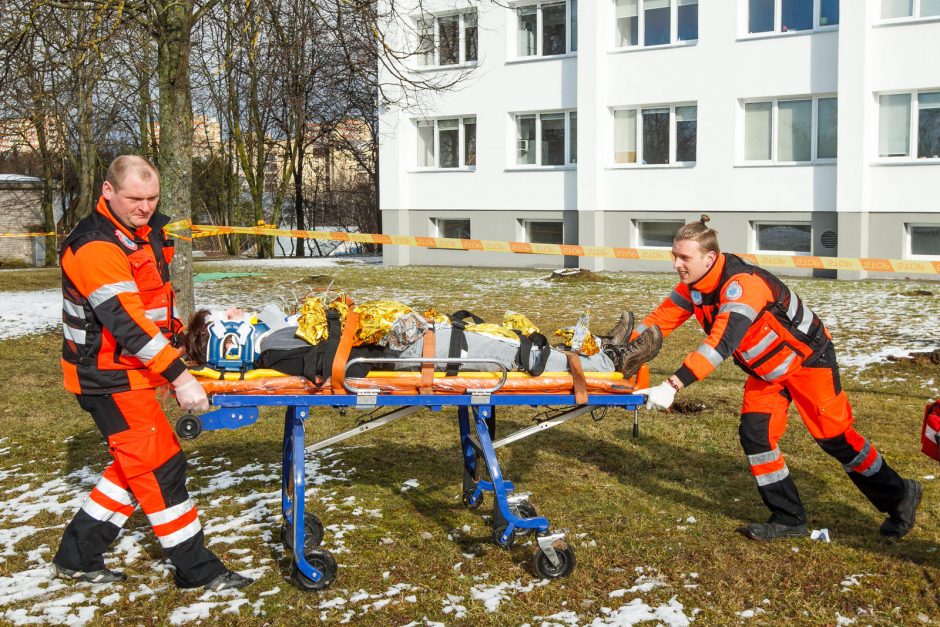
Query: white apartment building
803, 127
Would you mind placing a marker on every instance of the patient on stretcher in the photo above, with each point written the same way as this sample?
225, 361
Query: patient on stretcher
305, 344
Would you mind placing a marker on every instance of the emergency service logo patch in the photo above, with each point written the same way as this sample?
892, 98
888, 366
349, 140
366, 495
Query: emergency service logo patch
128, 243
734, 291
696, 297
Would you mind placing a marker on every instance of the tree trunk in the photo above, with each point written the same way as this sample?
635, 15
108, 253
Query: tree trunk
174, 21
87, 150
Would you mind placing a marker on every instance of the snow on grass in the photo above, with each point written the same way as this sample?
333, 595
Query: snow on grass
492, 595
29, 312
637, 611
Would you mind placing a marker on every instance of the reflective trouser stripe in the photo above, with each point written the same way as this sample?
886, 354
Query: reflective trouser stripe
115, 492
768, 467
867, 462
179, 536
773, 477
101, 507
170, 514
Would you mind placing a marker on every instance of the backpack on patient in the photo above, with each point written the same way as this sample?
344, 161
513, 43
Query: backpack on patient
232, 345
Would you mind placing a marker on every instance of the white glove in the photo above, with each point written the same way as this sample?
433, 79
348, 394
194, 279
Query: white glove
192, 396
659, 397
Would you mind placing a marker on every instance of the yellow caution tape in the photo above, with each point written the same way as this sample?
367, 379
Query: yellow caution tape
28, 234
813, 262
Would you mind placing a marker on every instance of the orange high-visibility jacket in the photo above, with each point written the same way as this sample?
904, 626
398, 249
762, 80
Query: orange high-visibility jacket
118, 314
747, 312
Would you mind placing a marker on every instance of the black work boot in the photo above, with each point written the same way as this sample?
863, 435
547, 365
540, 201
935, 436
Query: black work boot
621, 332
628, 359
92, 576
229, 580
901, 519
768, 531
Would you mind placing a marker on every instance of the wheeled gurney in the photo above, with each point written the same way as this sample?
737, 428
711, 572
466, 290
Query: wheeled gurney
476, 397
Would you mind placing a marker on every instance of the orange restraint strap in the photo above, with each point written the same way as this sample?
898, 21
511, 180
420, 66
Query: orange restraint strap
578, 384
342, 352
426, 386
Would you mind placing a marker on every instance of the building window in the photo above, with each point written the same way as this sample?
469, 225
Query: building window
655, 22
547, 139
447, 39
656, 135
907, 120
786, 16
451, 228
923, 240
899, 9
447, 143
791, 131
543, 231
789, 238
547, 28
656, 233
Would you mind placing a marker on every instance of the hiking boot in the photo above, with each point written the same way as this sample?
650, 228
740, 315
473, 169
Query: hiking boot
628, 359
768, 531
92, 576
229, 580
619, 335
901, 519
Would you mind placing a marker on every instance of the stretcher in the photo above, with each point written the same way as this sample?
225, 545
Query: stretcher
475, 396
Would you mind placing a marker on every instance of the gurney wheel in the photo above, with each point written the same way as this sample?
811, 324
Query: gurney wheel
313, 533
498, 534
468, 496
323, 561
523, 509
188, 427
544, 567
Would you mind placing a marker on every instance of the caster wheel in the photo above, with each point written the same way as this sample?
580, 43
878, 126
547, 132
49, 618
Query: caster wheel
544, 567
497, 537
188, 427
523, 509
467, 495
313, 533
323, 561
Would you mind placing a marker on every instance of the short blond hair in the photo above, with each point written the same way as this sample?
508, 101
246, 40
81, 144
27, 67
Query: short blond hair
125, 164
697, 231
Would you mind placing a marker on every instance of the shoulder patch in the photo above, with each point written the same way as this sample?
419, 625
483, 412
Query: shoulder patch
128, 242
696, 297
734, 291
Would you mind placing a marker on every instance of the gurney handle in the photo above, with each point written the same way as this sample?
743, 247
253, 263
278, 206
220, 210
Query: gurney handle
417, 361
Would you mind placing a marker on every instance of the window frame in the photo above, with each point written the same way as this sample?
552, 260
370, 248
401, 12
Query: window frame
462, 166
913, 129
915, 15
774, 131
636, 222
537, 165
908, 243
525, 229
641, 30
638, 134
435, 19
777, 30
436, 224
755, 240
514, 31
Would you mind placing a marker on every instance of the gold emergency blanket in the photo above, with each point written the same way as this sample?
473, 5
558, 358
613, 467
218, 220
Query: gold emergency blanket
311, 325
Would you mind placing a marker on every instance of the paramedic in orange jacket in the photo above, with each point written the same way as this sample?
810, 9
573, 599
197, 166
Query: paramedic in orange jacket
750, 315
119, 325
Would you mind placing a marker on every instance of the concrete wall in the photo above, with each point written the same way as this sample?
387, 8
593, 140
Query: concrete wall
20, 212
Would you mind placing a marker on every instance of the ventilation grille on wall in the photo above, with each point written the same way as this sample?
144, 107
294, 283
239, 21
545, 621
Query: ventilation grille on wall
830, 239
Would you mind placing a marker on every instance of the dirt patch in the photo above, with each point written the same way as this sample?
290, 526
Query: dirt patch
688, 407
575, 275
917, 293
926, 358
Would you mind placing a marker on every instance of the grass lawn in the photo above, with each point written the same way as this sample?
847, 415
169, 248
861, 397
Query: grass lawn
652, 519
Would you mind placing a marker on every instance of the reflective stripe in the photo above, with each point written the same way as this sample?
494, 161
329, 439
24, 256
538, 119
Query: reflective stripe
780, 370
680, 301
170, 514
859, 457
794, 306
71, 333
745, 310
109, 291
151, 348
72, 309
875, 467
156, 315
930, 434
764, 458
99, 512
115, 492
761, 346
773, 477
807, 319
709, 353
181, 535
